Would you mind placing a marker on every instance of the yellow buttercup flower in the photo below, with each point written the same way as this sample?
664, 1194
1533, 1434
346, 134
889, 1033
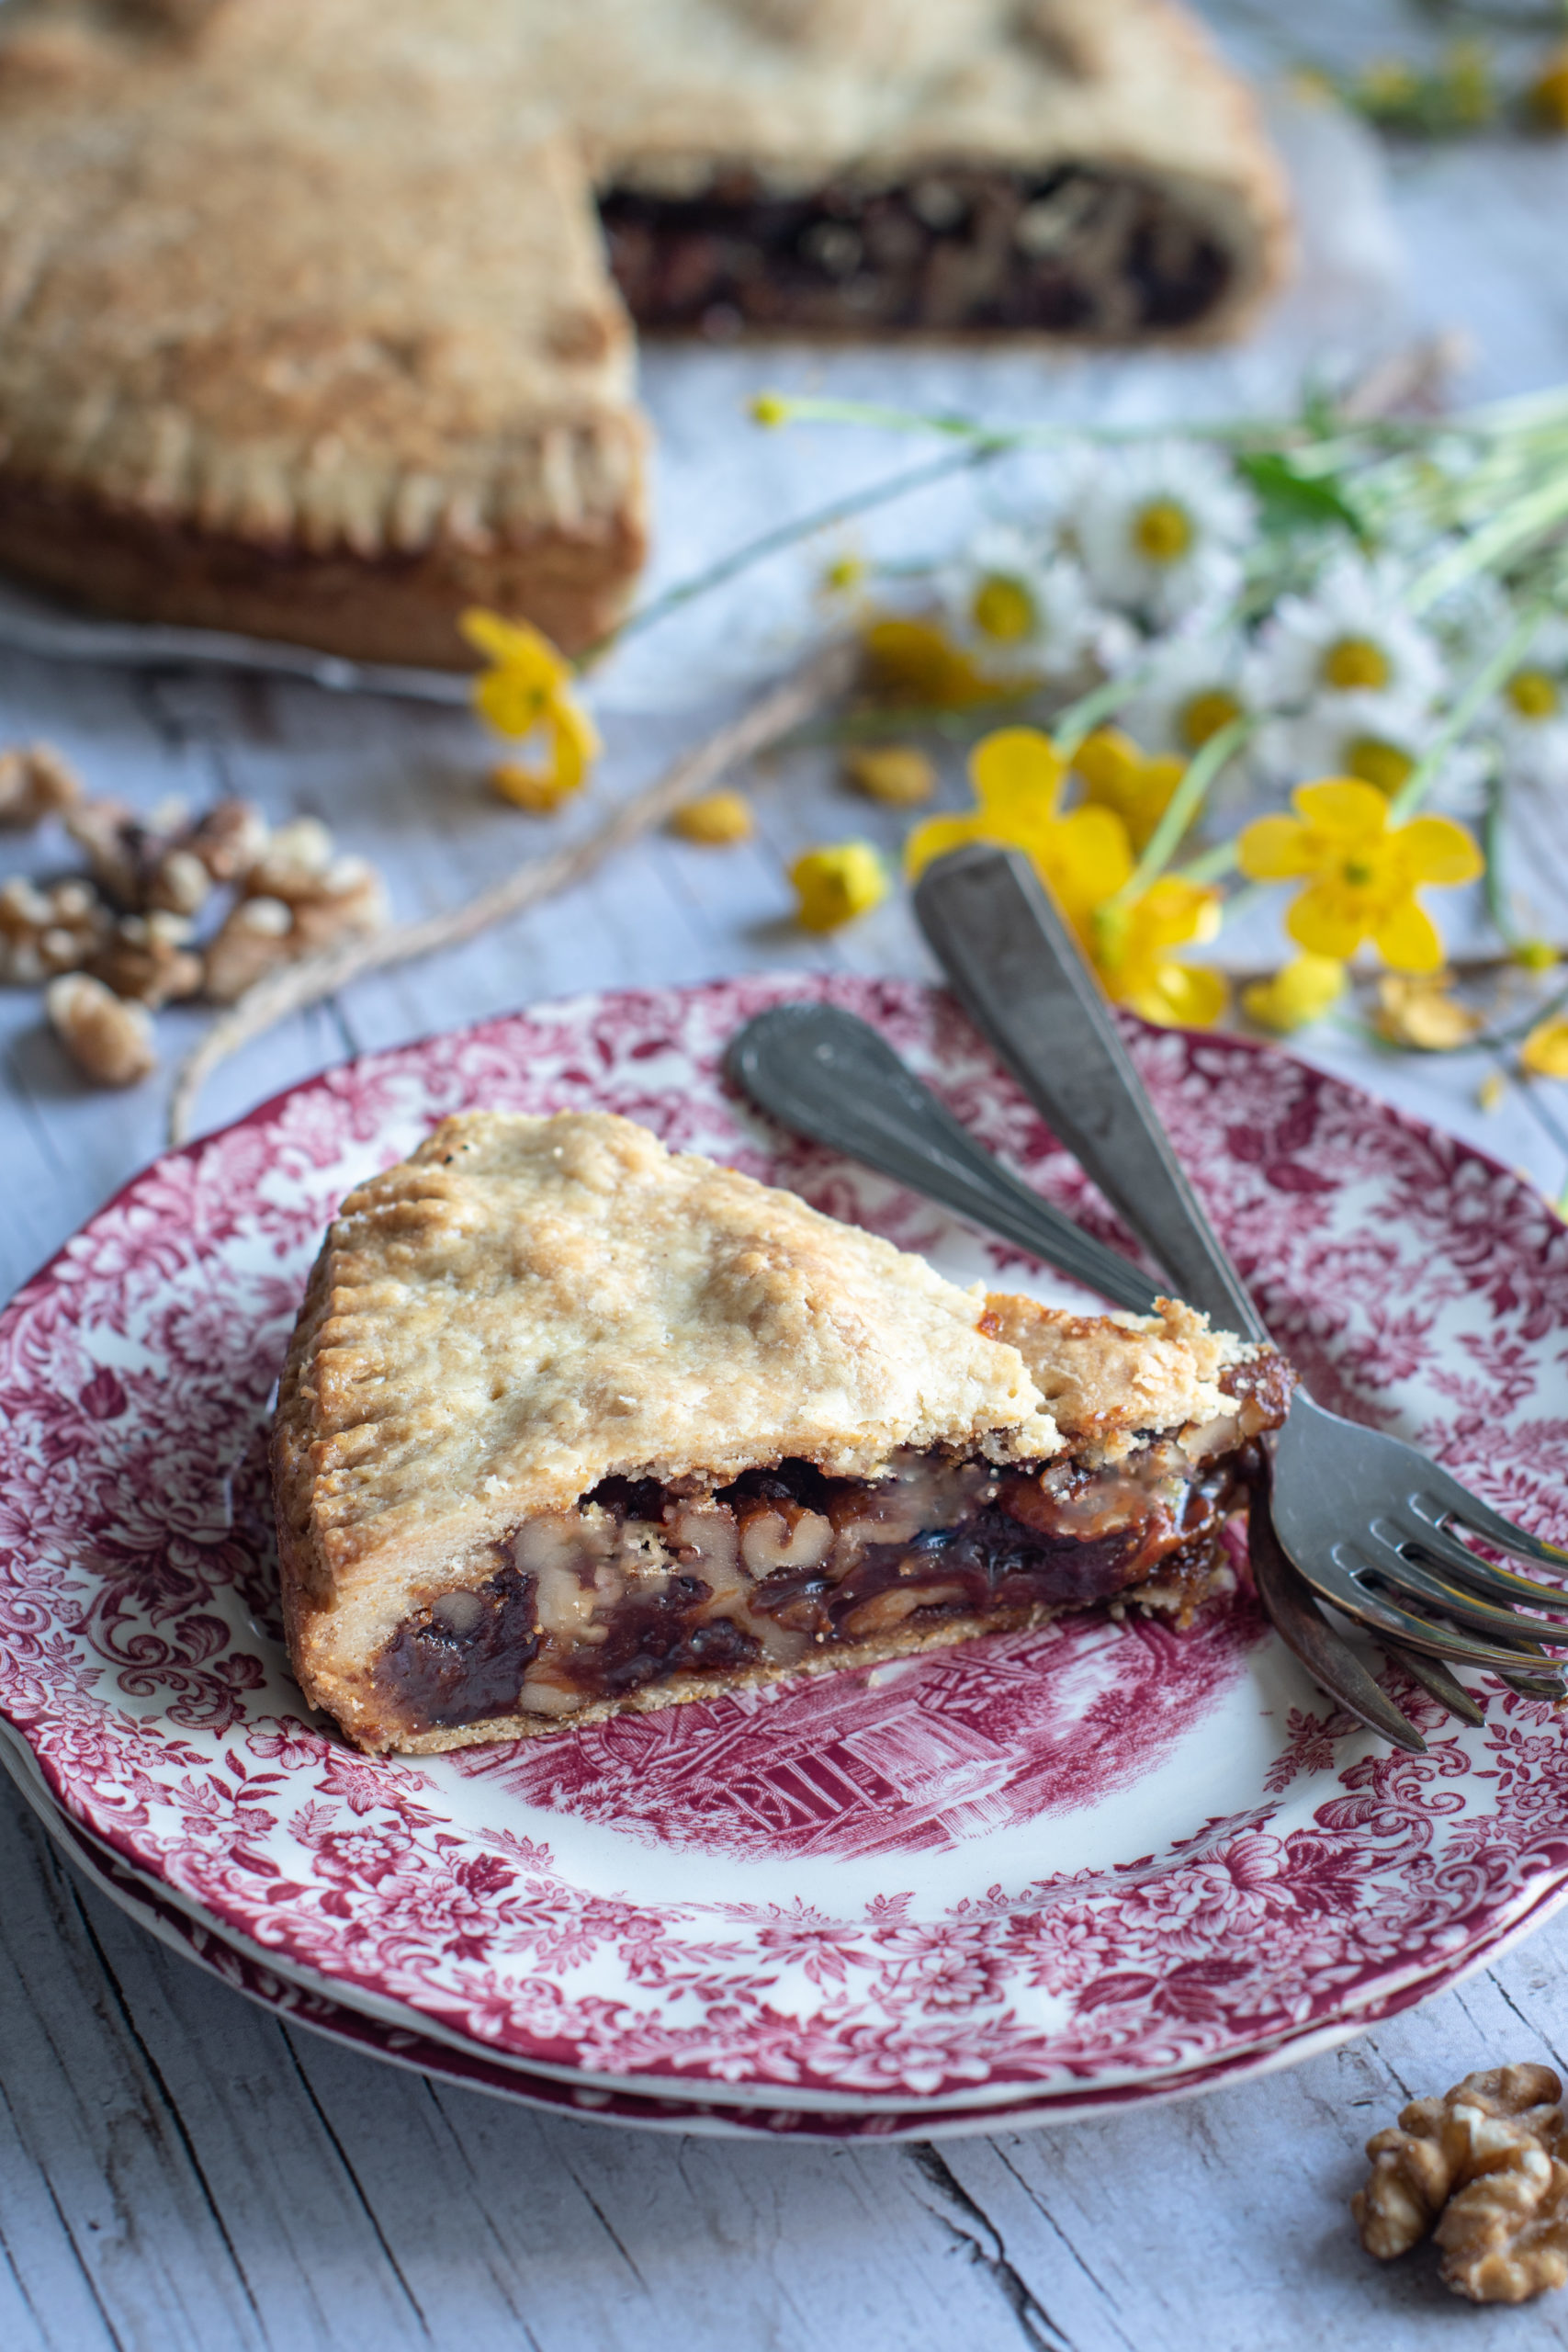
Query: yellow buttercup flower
834, 885
1361, 872
1421, 1013
1132, 954
538, 790
1118, 776
899, 775
1547, 94
527, 692
1300, 992
916, 661
715, 820
1545, 1050
1018, 774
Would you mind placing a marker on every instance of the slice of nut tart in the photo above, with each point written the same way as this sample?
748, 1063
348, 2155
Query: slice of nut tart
571, 1424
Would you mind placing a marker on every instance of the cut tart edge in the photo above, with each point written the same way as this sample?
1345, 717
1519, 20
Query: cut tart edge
573, 1425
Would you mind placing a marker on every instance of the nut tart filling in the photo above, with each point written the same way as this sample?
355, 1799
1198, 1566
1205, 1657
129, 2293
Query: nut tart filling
1075, 251
572, 1425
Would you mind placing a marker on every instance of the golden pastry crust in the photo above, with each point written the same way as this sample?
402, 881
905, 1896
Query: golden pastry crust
527, 1308
308, 329
1105, 1377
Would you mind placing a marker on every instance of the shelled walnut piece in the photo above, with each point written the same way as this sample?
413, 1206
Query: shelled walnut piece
300, 898
1488, 2164
46, 929
108, 1038
35, 782
149, 958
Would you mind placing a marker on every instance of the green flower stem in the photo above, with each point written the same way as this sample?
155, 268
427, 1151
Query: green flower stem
1078, 720
1482, 686
784, 408
1524, 519
1213, 866
1183, 806
786, 534
1494, 826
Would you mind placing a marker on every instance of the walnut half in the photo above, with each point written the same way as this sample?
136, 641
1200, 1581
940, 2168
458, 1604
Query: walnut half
1488, 2164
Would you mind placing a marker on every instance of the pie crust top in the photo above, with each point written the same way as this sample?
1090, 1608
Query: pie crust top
526, 1306
324, 277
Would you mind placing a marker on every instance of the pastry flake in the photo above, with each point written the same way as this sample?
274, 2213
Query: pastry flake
571, 1423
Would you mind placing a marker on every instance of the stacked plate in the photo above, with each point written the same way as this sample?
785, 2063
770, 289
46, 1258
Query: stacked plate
1015, 1881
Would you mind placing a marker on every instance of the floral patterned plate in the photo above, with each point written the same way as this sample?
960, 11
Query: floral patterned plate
249, 1973
1075, 1861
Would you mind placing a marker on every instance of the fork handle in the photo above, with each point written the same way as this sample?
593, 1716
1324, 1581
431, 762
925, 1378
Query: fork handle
1015, 968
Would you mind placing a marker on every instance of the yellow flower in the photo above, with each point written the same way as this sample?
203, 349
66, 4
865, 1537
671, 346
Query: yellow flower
845, 577
1132, 953
1018, 774
1118, 776
1361, 873
1533, 956
895, 774
835, 885
716, 820
1300, 992
526, 691
915, 662
534, 789
770, 408
1549, 92
1545, 1050
1422, 1013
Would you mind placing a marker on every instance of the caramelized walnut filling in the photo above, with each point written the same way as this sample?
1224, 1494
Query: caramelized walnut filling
642, 1583
1074, 251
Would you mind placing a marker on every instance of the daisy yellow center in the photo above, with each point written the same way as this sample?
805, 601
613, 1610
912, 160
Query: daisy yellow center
1162, 531
1355, 662
1204, 715
1359, 873
1532, 694
1003, 609
1383, 764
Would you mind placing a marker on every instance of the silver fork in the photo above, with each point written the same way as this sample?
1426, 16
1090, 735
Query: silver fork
827, 1075
1367, 1520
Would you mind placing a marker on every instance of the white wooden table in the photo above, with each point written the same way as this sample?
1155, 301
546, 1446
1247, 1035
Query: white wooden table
176, 2168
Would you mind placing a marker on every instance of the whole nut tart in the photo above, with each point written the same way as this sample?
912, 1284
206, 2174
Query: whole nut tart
313, 328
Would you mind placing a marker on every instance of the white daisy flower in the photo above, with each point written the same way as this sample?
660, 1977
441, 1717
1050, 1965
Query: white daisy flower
1159, 528
1371, 737
1022, 613
1529, 713
1350, 637
1196, 687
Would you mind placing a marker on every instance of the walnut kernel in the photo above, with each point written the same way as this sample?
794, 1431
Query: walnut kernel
108, 1039
35, 782
1485, 2162
147, 957
47, 928
253, 940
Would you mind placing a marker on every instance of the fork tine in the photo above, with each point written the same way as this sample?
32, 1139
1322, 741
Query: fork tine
1446, 1498
1409, 1579
1335, 1579
1303, 1627
1445, 1548
1434, 1675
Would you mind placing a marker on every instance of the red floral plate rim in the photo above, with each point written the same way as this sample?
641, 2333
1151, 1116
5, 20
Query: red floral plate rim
464, 2065
902, 1949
